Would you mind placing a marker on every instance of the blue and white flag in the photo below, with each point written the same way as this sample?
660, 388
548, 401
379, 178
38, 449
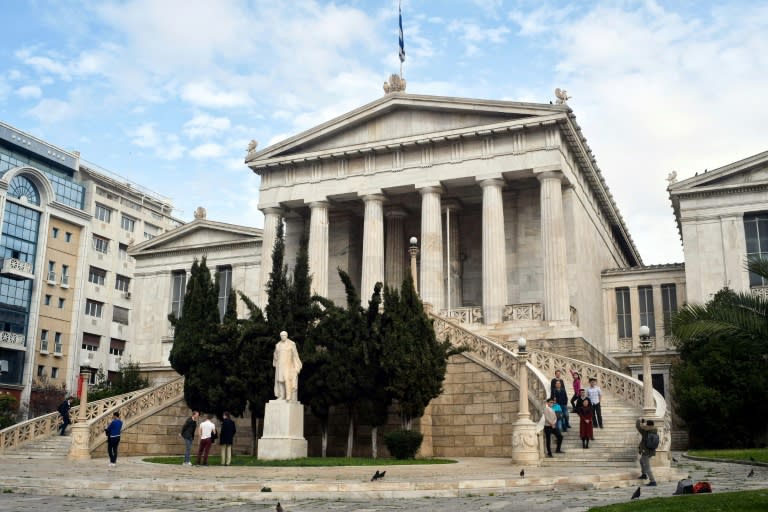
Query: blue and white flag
402, 42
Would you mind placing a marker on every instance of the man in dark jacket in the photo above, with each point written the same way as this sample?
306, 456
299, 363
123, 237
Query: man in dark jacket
64, 411
188, 434
227, 438
645, 428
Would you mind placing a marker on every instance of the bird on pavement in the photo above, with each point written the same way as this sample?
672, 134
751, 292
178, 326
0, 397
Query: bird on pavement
279, 507
635, 494
522, 473
378, 476
674, 459
751, 473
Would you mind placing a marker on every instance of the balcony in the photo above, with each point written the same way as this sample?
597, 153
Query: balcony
12, 340
65, 281
57, 349
14, 268
43, 346
51, 277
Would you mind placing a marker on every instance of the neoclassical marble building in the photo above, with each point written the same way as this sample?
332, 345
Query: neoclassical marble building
514, 219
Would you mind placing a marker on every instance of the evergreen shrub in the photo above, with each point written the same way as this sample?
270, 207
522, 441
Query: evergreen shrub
403, 444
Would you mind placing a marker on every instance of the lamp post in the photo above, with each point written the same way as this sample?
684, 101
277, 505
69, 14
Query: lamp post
525, 445
413, 250
649, 409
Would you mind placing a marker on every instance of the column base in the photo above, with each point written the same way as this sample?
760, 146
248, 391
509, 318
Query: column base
80, 448
283, 431
525, 443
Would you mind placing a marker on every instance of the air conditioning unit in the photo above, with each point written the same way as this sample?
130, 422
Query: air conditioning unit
127, 295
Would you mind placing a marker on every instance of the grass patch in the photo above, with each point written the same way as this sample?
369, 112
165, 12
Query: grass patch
313, 462
742, 501
748, 455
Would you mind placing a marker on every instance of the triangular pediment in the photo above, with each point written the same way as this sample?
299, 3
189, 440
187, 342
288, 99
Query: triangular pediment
746, 172
198, 233
399, 116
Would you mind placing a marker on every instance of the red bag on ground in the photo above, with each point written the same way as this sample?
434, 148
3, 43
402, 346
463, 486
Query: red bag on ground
701, 487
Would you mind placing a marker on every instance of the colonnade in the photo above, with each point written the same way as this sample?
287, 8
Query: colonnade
383, 257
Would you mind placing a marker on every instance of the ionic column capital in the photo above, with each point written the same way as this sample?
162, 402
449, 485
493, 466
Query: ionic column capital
319, 204
430, 189
491, 182
374, 197
550, 175
273, 210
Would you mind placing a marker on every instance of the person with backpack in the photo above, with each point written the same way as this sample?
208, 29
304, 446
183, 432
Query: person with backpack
649, 442
64, 408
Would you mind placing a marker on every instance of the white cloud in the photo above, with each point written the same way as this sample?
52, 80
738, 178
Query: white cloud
163, 145
29, 91
203, 125
206, 94
209, 150
51, 111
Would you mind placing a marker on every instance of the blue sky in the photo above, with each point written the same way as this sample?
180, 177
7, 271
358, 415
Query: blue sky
167, 93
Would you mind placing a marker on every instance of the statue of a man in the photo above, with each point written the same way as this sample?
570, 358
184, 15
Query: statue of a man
287, 367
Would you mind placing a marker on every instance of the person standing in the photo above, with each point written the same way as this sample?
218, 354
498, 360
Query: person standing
550, 427
113, 437
227, 439
188, 434
287, 367
585, 413
556, 379
561, 399
595, 395
64, 408
576, 389
646, 428
207, 429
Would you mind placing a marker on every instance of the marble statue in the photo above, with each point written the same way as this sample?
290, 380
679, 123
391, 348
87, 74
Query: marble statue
287, 367
562, 96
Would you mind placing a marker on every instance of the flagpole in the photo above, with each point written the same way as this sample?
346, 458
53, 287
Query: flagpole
401, 40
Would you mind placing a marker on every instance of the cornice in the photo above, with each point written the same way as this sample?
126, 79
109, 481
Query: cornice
195, 249
643, 269
721, 190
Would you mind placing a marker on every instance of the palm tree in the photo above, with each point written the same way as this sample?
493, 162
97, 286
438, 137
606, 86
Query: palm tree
728, 314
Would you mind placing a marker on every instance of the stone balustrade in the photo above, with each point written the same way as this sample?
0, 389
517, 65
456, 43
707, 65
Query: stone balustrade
468, 315
13, 340
15, 264
530, 311
760, 291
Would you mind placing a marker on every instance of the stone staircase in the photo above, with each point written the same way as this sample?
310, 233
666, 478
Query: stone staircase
615, 445
52, 447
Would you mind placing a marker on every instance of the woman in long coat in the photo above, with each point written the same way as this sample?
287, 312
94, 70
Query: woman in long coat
584, 410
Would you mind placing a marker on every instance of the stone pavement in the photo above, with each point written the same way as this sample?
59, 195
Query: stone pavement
472, 484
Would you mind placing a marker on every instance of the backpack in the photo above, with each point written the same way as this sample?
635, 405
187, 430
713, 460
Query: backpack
652, 441
701, 487
684, 486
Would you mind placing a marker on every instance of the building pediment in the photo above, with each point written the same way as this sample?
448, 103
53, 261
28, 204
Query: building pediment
396, 117
198, 233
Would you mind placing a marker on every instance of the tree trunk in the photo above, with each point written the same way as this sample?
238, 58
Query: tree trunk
324, 438
374, 442
350, 435
254, 433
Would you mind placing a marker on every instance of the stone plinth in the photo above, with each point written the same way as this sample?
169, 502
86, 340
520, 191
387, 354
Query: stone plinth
283, 431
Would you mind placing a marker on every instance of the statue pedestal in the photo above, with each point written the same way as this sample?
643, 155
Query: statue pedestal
525, 443
283, 431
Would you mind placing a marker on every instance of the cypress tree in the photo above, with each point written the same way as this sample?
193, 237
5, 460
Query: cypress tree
278, 308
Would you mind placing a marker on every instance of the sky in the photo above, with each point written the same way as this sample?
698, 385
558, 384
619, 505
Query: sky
168, 93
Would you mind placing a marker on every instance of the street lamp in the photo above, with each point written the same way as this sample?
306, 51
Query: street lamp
522, 376
645, 347
413, 250
525, 444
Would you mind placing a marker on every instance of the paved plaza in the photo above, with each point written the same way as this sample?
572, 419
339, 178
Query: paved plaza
38, 485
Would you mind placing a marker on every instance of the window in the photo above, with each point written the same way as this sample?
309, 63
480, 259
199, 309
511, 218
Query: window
93, 308
122, 252
101, 244
669, 305
178, 288
97, 276
756, 234
52, 271
150, 231
44, 340
103, 213
120, 315
55, 232
645, 294
91, 342
68, 237
116, 347
57, 346
122, 283
65, 275
54, 373
623, 313
127, 223
61, 303
224, 275
47, 300
41, 371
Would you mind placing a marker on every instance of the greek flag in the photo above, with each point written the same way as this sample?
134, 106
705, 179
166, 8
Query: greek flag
402, 42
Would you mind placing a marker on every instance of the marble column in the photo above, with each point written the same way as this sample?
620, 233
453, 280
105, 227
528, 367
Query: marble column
494, 252
431, 248
452, 253
268, 237
373, 245
318, 247
556, 296
395, 246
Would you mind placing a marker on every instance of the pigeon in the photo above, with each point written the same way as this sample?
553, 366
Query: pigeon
378, 476
636, 494
674, 460
751, 473
279, 507
522, 473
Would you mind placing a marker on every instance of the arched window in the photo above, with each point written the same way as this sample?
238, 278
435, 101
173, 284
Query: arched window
21, 188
